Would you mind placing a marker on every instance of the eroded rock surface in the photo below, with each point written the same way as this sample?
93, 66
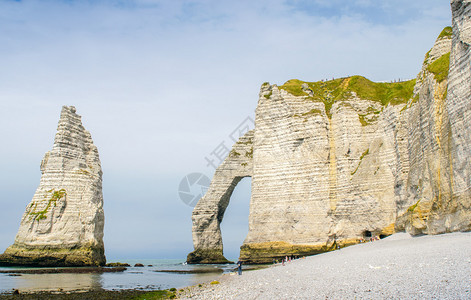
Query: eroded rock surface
63, 224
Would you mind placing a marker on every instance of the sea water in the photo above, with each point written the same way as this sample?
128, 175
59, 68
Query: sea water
145, 278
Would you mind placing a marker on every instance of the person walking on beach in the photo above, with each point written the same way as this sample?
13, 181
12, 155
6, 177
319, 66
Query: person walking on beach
239, 267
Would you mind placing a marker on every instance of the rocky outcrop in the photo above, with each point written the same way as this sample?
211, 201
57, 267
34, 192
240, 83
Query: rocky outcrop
63, 224
209, 211
345, 159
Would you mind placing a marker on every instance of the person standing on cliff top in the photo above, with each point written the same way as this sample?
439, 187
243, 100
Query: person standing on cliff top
239, 267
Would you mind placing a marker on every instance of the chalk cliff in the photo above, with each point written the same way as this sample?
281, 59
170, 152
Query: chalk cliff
63, 224
440, 135
336, 161
427, 186
456, 213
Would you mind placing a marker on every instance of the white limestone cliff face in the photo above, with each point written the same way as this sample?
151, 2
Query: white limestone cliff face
341, 160
456, 214
321, 179
63, 224
428, 184
439, 143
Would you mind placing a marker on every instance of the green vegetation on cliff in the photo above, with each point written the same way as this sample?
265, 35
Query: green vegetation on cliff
440, 67
412, 207
234, 153
367, 151
340, 89
56, 195
446, 32
249, 153
372, 114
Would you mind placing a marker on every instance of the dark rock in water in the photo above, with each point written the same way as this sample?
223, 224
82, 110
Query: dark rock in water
90, 295
117, 264
139, 265
205, 256
150, 265
64, 270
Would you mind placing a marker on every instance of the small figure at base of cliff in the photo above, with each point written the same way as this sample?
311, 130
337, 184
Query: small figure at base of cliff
239, 267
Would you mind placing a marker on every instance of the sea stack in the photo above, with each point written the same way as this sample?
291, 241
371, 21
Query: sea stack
63, 224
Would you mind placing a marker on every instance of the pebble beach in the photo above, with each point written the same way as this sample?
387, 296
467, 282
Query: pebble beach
397, 267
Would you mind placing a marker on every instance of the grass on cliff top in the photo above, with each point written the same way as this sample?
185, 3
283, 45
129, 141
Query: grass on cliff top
440, 67
342, 88
446, 32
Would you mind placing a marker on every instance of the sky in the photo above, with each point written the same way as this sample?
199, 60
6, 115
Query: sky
161, 84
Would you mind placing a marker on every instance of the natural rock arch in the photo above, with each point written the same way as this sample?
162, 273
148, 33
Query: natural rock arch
336, 162
209, 212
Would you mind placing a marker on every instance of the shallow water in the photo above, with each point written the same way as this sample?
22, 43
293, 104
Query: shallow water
133, 278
